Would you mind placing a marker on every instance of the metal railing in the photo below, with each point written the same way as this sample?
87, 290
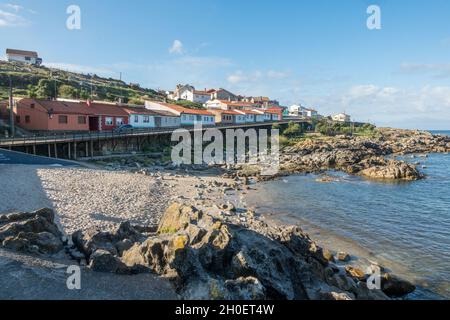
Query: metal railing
45, 138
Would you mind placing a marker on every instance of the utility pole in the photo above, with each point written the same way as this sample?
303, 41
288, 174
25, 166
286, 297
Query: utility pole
11, 106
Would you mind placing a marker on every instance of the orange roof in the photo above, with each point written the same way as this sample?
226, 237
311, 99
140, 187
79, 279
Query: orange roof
105, 109
237, 103
57, 107
22, 53
249, 112
272, 111
205, 93
186, 110
138, 110
143, 110
232, 112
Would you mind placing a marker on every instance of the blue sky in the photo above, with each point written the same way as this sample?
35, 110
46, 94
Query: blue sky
318, 53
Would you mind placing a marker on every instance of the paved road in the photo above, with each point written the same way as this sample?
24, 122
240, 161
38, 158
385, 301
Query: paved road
13, 157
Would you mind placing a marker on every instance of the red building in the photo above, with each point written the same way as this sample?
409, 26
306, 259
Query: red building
47, 115
67, 115
105, 116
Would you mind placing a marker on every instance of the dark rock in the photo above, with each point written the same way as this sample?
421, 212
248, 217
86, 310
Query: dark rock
343, 256
33, 232
394, 286
104, 261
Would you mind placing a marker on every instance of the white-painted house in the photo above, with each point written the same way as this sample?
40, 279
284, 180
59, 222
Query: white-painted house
341, 117
188, 117
250, 115
30, 57
188, 92
140, 117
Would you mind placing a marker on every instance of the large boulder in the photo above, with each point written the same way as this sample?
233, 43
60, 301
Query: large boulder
393, 170
394, 286
34, 232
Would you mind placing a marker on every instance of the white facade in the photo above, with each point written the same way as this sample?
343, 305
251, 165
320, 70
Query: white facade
186, 117
142, 121
341, 117
29, 57
195, 96
216, 104
192, 119
170, 122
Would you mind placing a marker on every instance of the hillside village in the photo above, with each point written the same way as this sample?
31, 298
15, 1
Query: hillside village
47, 99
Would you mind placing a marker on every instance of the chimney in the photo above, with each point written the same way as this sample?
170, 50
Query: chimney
88, 102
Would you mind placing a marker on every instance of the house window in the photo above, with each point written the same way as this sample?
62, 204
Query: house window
109, 121
81, 120
146, 119
119, 121
18, 119
62, 119
27, 59
32, 106
136, 119
27, 119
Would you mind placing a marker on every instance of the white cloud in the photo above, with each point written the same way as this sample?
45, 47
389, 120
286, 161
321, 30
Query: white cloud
255, 76
436, 70
8, 19
101, 71
14, 7
424, 107
177, 47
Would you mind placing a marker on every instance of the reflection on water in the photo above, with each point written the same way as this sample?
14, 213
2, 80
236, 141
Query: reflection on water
405, 224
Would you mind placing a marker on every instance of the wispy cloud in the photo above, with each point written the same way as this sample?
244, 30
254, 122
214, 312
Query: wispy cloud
9, 19
101, 71
435, 70
14, 7
176, 48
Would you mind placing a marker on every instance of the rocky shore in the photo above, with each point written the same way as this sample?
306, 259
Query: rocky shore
206, 256
373, 157
207, 247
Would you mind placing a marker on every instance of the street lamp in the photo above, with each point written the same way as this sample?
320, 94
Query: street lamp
11, 105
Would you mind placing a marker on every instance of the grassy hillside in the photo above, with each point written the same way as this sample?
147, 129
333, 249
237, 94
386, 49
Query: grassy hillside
43, 82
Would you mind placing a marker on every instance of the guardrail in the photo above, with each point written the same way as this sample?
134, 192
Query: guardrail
37, 139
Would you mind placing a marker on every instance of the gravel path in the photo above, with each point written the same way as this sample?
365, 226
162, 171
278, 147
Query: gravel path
83, 197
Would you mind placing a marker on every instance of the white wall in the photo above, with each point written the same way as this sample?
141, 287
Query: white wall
170, 121
191, 119
141, 121
260, 118
21, 59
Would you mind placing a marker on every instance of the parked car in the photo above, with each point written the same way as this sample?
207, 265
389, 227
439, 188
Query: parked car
123, 128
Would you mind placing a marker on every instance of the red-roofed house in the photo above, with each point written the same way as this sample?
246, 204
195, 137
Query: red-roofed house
141, 117
228, 116
48, 115
229, 105
250, 115
105, 116
188, 117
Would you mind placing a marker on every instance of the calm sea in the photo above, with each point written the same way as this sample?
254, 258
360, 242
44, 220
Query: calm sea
405, 226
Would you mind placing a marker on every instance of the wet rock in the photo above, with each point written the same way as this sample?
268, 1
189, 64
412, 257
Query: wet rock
34, 232
393, 170
394, 286
104, 261
356, 273
343, 256
248, 288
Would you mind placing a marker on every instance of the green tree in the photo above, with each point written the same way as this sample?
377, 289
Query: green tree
293, 130
66, 91
46, 89
32, 91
